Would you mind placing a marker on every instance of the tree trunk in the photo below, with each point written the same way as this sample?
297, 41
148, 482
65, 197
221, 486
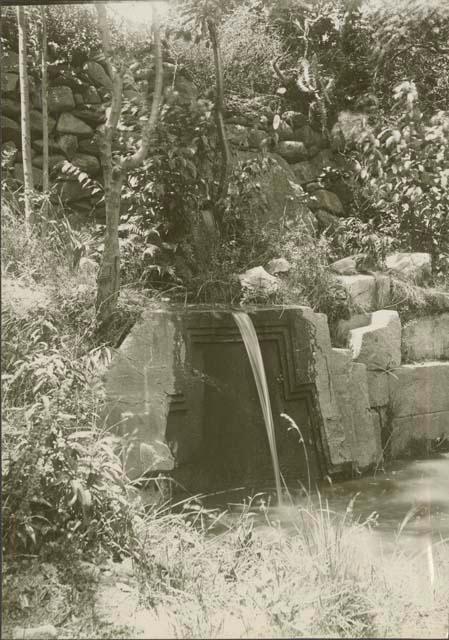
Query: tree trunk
25, 116
114, 172
44, 93
219, 120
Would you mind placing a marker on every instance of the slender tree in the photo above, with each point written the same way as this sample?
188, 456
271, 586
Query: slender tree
115, 168
226, 159
25, 114
44, 93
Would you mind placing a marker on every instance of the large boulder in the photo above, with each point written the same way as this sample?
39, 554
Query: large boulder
11, 131
37, 175
327, 200
54, 161
86, 163
414, 266
257, 279
310, 170
11, 108
36, 123
98, 75
68, 123
279, 197
60, 99
349, 130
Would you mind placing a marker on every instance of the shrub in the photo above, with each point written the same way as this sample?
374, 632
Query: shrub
404, 172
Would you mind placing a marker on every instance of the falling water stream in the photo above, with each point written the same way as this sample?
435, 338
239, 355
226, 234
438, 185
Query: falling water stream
251, 342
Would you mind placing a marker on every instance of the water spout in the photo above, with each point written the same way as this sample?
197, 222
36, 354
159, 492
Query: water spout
251, 342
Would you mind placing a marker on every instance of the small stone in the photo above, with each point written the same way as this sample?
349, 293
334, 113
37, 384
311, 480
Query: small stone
237, 135
98, 75
327, 200
295, 119
259, 279
345, 266
278, 265
68, 123
292, 150
68, 144
60, 99
91, 96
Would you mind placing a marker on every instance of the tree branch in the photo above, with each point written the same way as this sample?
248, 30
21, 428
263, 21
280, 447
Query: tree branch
148, 132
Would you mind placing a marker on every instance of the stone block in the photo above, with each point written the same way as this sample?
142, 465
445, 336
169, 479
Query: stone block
414, 266
418, 389
350, 385
345, 326
426, 338
378, 345
70, 124
90, 146
362, 290
378, 387
181, 388
60, 99
412, 432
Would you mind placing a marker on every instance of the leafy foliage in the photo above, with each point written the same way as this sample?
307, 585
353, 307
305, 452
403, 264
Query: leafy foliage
404, 170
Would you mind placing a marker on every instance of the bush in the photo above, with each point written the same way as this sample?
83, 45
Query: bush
404, 171
248, 45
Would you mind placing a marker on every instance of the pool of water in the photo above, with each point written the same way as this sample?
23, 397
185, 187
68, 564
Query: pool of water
409, 498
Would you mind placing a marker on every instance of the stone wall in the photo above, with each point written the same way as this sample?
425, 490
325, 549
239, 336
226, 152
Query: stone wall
405, 405
78, 99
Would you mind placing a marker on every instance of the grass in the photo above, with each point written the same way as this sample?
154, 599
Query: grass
325, 577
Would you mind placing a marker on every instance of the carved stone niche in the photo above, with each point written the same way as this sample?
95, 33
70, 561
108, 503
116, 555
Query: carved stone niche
181, 390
